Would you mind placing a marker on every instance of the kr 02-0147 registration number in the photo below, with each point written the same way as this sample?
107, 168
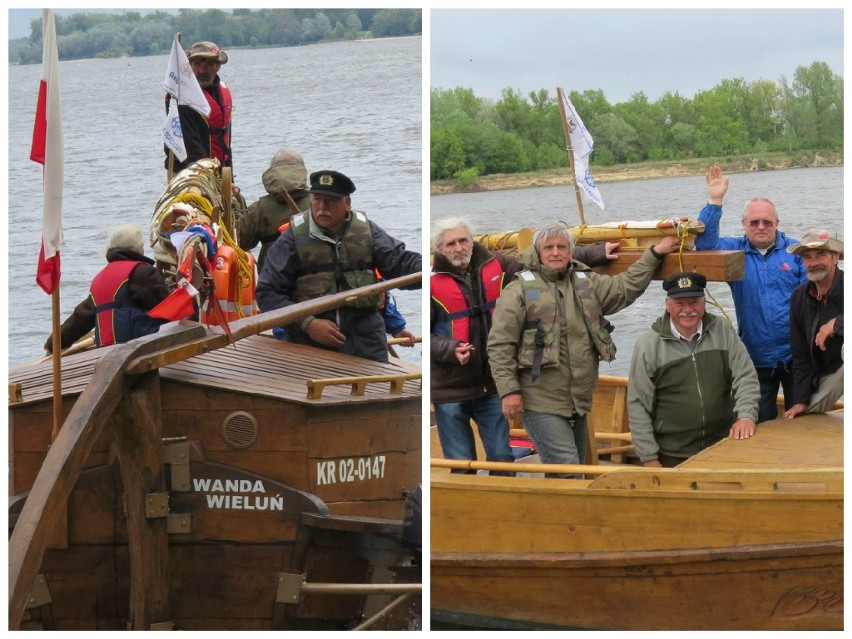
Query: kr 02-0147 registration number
349, 469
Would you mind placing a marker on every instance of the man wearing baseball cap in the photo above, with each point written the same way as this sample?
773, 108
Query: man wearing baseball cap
816, 326
208, 137
692, 382
327, 250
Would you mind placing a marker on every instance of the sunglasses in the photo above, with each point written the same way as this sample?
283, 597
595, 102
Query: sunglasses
761, 224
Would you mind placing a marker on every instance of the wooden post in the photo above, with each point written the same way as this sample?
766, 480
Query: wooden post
567, 129
143, 474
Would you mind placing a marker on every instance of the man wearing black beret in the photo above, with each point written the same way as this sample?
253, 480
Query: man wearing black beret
692, 382
332, 249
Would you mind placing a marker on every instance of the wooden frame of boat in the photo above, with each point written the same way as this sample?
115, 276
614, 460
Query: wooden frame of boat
748, 534
194, 486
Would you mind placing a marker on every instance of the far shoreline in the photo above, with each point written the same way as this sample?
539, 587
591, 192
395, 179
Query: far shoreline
638, 171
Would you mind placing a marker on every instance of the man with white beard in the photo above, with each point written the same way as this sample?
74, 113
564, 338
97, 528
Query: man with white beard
692, 382
466, 281
816, 326
330, 249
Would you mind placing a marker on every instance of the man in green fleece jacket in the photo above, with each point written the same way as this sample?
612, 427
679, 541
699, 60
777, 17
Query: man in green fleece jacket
692, 382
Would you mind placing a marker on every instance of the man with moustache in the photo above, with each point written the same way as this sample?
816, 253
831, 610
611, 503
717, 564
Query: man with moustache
208, 137
330, 249
691, 382
466, 281
762, 297
549, 334
816, 326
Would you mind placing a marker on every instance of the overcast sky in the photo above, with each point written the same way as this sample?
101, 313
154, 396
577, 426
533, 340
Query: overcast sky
621, 51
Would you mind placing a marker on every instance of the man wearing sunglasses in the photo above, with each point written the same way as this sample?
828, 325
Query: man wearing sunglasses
762, 297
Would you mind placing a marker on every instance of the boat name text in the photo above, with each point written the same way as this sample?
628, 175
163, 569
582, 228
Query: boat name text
220, 494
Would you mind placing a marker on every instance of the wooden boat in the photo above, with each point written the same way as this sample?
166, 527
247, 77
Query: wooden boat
205, 483
748, 534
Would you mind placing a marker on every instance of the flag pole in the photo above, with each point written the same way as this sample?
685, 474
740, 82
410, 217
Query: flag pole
567, 129
57, 366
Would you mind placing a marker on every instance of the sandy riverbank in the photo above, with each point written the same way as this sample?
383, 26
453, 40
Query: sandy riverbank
640, 171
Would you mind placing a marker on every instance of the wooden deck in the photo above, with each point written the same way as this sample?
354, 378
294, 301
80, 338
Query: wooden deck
809, 441
257, 365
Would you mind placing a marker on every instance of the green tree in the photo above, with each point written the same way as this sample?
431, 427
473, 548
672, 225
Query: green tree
446, 154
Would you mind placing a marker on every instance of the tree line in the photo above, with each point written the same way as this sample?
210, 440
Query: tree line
473, 136
110, 35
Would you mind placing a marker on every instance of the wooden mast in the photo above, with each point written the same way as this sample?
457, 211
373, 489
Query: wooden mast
567, 129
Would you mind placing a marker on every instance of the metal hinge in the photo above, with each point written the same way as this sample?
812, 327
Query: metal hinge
179, 523
39, 593
156, 505
175, 453
289, 588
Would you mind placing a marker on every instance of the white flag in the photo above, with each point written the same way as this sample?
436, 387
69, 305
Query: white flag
582, 144
172, 132
181, 83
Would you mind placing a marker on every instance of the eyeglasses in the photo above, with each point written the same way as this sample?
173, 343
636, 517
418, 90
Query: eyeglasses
761, 224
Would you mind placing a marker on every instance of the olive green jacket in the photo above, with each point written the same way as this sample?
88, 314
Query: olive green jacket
684, 396
564, 388
260, 223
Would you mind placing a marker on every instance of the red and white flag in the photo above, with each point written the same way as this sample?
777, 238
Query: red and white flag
47, 150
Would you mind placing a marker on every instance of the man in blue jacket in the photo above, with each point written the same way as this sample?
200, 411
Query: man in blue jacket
762, 297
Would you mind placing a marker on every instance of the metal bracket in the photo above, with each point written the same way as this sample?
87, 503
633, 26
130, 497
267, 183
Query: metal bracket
175, 453
156, 505
289, 588
163, 625
179, 523
39, 593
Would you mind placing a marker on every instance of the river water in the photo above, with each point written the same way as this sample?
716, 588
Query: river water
354, 107
805, 198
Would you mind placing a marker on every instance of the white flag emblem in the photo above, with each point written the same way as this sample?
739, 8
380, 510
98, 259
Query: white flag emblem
172, 132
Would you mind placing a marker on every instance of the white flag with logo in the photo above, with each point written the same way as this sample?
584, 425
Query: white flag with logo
172, 132
582, 144
181, 82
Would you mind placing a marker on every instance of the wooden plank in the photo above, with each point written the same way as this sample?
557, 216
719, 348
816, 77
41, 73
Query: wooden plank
716, 266
143, 475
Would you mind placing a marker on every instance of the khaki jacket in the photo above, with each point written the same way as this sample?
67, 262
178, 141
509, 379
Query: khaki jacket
565, 388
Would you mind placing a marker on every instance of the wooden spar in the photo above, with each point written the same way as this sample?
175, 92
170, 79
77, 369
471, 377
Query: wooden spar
265, 321
566, 127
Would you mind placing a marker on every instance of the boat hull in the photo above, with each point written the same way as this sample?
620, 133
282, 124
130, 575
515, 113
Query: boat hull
776, 587
746, 535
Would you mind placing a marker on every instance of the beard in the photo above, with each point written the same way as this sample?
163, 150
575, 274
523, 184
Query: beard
817, 274
460, 262
205, 81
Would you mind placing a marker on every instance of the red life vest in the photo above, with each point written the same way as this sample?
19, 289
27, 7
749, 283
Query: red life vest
117, 318
219, 124
447, 293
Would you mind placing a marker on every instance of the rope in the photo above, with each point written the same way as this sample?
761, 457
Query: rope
682, 233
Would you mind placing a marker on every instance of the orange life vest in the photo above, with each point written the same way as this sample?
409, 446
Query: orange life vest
232, 291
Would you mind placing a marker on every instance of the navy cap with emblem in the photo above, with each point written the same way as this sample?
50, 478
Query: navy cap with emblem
331, 183
685, 285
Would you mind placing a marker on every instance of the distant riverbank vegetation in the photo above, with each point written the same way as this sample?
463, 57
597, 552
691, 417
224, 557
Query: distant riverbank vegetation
473, 137
112, 35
